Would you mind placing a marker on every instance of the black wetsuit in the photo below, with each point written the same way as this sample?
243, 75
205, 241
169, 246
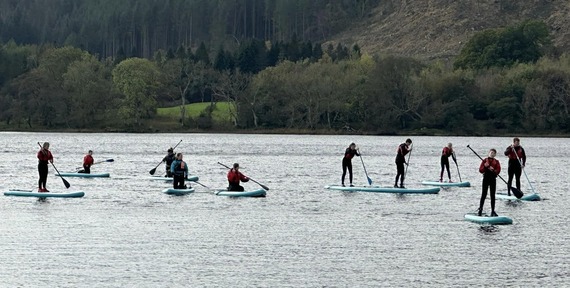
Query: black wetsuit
515, 168
400, 161
347, 163
169, 159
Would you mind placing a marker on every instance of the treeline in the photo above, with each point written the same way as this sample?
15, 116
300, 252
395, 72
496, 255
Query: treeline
108, 28
297, 85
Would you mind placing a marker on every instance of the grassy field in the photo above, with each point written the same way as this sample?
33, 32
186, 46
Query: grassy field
220, 114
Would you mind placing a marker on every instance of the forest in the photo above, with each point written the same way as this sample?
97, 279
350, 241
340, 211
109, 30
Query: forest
276, 75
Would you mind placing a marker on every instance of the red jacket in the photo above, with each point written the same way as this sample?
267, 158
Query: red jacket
45, 155
510, 152
446, 152
87, 160
235, 176
492, 163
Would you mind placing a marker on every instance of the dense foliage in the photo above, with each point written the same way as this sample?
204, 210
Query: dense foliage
293, 84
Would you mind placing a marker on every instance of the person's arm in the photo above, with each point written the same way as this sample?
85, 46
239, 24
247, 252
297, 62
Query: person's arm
50, 157
523, 158
508, 151
497, 167
243, 178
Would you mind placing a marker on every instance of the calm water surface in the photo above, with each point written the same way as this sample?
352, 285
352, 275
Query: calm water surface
126, 233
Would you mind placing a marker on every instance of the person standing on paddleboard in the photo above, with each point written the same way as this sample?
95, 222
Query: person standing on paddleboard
490, 168
44, 156
447, 151
87, 162
179, 170
403, 149
234, 177
517, 161
168, 159
349, 153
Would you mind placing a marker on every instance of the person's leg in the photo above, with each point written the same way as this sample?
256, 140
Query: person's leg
442, 163
400, 173
344, 167
493, 188
483, 196
43, 177
349, 166
511, 172
518, 172
448, 172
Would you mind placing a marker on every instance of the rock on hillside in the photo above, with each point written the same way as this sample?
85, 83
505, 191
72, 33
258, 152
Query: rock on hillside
436, 29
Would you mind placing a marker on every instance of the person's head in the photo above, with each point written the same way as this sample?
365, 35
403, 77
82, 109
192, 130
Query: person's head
90, 152
449, 145
352, 145
170, 150
179, 156
46, 145
408, 141
516, 141
492, 153
236, 166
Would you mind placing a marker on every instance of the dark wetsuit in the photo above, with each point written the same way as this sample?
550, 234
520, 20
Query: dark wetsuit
515, 168
445, 162
44, 156
400, 161
489, 181
347, 163
169, 159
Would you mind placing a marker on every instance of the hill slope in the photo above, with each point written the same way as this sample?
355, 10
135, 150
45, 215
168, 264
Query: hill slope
432, 29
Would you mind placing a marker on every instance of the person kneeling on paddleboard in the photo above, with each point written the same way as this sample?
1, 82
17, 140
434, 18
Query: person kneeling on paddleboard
179, 171
234, 177
87, 162
168, 159
490, 168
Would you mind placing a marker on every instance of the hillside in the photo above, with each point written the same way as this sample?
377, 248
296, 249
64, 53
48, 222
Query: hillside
431, 29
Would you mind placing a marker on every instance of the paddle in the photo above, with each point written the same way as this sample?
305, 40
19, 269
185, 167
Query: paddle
369, 180
262, 186
518, 193
408, 163
528, 180
64, 181
154, 169
455, 160
108, 160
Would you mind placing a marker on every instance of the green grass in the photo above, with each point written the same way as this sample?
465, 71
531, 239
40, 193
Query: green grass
220, 113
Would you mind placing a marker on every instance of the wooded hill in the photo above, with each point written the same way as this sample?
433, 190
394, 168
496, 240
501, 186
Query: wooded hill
95, 66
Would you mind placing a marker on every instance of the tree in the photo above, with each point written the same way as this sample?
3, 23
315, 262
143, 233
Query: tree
137, 79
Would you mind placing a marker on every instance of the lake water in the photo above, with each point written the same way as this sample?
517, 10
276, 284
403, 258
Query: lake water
126, 233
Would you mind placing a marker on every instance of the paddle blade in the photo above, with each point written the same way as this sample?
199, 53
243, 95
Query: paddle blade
369, 180
110, 160
152, 171
518, 193
263, 186
65, 183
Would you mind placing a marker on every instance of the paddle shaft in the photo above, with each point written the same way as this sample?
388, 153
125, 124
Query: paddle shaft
154, 169
67, 185
262, 186
457, 166
526, 176
364, 167
408, 162
482, 160
108, 160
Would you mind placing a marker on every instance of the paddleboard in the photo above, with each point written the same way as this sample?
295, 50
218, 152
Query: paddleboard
24, 193
447, 184
255, 193
84, 175
486, 219
430, 190
170, 179
527, 197
178, 192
